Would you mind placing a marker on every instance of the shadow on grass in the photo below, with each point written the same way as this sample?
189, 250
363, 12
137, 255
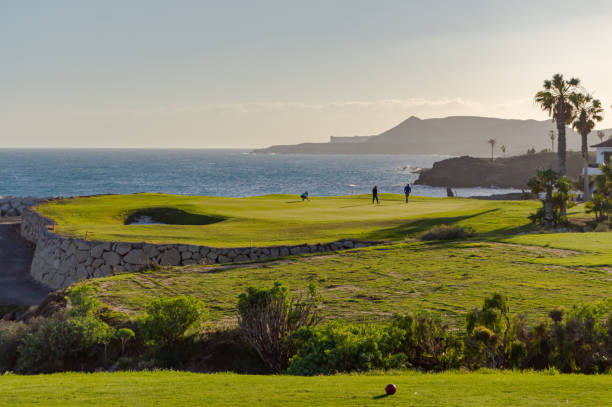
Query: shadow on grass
416, 227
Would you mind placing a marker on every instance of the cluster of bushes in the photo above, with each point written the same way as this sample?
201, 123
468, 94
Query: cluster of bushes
87, 335
577, 341
448, 232
280, 332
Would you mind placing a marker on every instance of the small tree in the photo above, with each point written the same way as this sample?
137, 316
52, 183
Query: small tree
492, 142
125, 335
167, 320
556, 196
268, 318
503, 149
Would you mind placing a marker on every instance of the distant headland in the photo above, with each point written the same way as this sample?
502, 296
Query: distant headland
454, 135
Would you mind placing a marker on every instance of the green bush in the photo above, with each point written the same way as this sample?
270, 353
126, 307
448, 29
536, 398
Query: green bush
62, 344
448, 232
11, 336
417, 341
82, 301
167, 320
339, 347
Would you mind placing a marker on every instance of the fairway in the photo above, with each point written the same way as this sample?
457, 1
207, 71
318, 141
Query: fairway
163, 388
279, 219
375, 283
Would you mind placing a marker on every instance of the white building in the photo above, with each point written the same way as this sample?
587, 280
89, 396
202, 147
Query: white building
603, 155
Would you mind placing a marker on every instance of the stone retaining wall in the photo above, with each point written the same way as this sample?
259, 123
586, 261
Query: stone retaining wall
61, 261
14, 206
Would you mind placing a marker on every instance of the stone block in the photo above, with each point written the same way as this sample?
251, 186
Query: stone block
111, 258
135, 256
123, 248
171, 257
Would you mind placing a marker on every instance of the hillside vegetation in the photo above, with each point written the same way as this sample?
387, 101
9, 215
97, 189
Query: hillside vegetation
374, 284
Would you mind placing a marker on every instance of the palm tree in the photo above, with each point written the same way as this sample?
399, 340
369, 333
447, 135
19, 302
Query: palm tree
503, 149
554, 99
601, 135
551, 134
588, 111
492, 142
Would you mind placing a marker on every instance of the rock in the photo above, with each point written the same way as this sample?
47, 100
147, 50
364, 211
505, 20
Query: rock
241, 258
348, 244
223, 259
212, 256
98, 250
81, 245
150, 251
171, 257
186, 255
111, 258
295, 250
274, 252
97, 263
82, 255
204, 250
189, 262
135, 256
123, 248
283, 252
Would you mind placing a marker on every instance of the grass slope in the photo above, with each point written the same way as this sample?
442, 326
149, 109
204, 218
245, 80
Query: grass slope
191, 389
281, 219
375, 283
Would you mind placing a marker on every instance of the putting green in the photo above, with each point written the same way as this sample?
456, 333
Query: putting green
277, 219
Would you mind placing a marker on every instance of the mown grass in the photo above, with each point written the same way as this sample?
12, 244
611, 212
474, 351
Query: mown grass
282, 219
374, 284
165, 388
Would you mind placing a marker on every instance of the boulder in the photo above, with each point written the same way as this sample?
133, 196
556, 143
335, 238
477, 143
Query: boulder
98, 250
123, 248
171, 257
135, 256
111, 258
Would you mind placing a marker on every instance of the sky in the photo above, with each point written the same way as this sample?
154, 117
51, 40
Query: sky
245, 74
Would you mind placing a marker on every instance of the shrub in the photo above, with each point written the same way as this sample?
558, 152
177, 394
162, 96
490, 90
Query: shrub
11, 336
425, 340
82, 301
448, 232
339, 347
61, 344
268, 317
167, 320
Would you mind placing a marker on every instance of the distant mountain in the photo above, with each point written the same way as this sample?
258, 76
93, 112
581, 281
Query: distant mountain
454, 135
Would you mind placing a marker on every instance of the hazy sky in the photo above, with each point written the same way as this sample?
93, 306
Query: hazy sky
254, 73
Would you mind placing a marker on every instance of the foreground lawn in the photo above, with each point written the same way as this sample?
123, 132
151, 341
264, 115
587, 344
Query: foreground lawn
375, 283
280, 219
191, 389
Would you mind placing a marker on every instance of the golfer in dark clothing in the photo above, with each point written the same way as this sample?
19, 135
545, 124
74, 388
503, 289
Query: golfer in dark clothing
407, 191
375, 195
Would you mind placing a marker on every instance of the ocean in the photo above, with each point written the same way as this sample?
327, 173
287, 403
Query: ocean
233, 173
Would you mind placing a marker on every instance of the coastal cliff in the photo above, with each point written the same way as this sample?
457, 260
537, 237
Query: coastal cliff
510, 172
